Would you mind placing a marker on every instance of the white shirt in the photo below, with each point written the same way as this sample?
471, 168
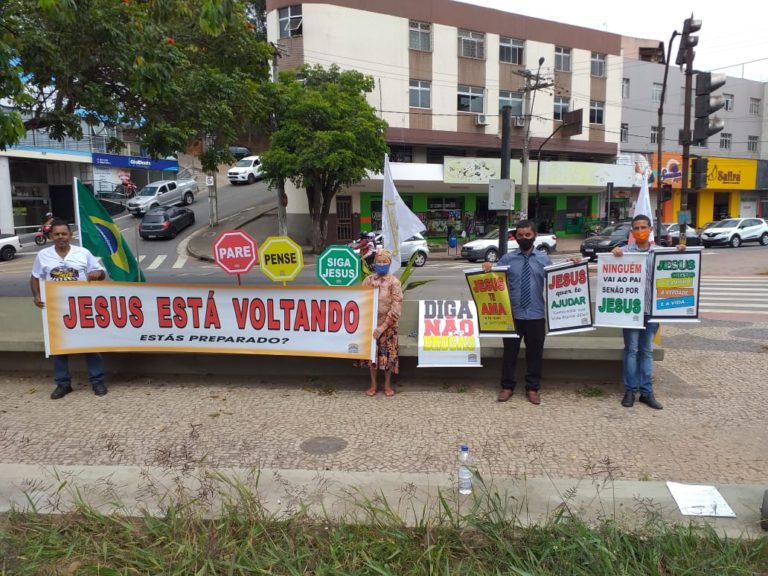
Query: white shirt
74, 266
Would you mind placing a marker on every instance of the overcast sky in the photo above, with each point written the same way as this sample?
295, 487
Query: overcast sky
733, 34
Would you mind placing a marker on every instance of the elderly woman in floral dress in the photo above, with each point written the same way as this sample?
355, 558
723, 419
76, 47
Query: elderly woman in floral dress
390, 306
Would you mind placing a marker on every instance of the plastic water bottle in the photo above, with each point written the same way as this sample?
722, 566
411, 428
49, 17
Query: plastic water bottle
465, 471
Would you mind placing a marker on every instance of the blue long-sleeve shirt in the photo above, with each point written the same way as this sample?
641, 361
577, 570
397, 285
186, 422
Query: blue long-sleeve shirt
537, 260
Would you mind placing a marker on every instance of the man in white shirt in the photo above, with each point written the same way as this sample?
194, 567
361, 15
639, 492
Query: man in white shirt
63, 262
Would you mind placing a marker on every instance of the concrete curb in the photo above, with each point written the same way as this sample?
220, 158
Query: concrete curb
241, 219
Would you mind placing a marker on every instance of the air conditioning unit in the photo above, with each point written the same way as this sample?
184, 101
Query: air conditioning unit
518, 121
481, 120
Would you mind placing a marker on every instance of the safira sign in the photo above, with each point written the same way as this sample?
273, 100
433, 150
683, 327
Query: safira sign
569, 308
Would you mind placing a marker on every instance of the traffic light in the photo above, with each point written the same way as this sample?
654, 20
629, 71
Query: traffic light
706, 104
699, 173
686, 40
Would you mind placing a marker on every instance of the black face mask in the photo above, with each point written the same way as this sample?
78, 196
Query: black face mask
525, 243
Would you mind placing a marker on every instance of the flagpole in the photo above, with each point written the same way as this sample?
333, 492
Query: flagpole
138, 261
77, 209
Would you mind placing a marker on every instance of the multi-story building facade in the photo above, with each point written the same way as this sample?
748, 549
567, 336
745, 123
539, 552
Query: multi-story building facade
735, 156
443, 70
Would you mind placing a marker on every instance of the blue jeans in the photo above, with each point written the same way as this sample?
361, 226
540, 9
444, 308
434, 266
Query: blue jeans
61, 369
638, 358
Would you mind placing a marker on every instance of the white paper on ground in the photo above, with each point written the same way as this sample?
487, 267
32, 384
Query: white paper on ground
699, 500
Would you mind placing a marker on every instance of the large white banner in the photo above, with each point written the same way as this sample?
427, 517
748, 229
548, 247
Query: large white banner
620, 298
569, 306
139, 317
675, 285
448, 334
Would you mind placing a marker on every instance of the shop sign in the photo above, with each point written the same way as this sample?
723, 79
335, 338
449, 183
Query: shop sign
135, 162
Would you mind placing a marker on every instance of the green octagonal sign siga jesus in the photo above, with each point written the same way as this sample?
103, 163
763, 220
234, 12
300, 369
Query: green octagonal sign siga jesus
338, 266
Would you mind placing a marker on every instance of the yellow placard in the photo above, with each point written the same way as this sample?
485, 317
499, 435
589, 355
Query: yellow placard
491, 296
280, 258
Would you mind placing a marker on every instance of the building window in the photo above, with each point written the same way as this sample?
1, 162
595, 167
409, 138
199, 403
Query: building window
625, 88
511, 50
754, 106
655, 134
562, 105
420, 36
290, 21
656, 91
624, 134
725, 141
401, 153
596, 111
470, 99
728, 101
598, 65
472, 44
752, 143
513, 99
562, 59
420, 95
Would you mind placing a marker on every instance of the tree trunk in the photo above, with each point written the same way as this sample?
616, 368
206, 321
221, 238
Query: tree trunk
282, 215
315, 201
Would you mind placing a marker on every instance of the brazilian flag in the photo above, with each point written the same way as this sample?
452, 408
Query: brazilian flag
102, 237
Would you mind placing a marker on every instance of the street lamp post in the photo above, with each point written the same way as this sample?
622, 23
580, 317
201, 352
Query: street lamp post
660, 131
529, 102
538, 172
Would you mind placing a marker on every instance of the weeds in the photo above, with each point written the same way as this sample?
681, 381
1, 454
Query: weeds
219, 525
591, 392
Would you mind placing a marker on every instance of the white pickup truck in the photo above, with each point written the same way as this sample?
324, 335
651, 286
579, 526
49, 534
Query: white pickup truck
162, 193
487, 247
9, 245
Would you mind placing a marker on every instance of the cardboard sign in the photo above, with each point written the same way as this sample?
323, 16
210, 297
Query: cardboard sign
569, 308
448, 334
675, 285
620, 298
491, 296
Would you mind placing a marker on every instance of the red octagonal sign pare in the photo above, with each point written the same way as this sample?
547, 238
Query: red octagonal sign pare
235, 252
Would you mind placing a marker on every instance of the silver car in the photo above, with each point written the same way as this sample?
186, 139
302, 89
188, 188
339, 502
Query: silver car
415, 245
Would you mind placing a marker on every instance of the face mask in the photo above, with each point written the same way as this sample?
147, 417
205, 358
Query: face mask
381, 269
525, 243
641, 235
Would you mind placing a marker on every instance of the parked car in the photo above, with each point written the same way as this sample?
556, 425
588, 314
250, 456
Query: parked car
612, 236
735, 231
162, 193
487, 247
415, 245
165, 222
670, 235
240, 152
706, 226
247, 170
9, 245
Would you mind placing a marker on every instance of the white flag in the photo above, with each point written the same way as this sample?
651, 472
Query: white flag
643, 207
398, 223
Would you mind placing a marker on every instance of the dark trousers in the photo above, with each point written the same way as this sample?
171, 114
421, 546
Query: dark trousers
533, 332
93, 361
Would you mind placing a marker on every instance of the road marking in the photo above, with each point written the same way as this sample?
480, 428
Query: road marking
180, 261
142, 257
707, 305
156, 262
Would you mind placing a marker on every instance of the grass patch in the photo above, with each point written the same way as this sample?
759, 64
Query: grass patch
243, 537
591, 392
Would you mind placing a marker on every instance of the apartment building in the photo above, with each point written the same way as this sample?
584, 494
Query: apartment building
443, 70
737, 170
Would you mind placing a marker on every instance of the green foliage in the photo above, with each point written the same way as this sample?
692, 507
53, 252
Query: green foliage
174, 70
326, 136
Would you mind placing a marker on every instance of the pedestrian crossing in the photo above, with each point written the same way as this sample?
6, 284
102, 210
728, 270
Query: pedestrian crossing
734, 295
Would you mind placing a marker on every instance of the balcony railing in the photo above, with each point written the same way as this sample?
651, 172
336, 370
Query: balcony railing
98, 144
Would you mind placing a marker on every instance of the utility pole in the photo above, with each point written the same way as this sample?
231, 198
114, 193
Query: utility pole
660, 132
532, 84
213, 193
506, 157
282, 197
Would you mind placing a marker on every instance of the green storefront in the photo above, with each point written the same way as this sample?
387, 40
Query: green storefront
565, 213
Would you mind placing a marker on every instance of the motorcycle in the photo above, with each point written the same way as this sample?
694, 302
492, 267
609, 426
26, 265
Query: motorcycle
42, 235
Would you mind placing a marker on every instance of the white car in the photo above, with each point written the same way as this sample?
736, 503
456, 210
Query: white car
9, 245
487, 247
246, 171
735, 231
415, 245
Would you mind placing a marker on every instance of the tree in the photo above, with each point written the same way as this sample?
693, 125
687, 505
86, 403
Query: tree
327, 137
173, 70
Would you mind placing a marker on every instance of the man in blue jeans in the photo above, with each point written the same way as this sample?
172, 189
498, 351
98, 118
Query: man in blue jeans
63, 262
638, 344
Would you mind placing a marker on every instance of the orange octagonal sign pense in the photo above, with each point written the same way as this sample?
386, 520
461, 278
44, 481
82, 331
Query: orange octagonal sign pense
235, 252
